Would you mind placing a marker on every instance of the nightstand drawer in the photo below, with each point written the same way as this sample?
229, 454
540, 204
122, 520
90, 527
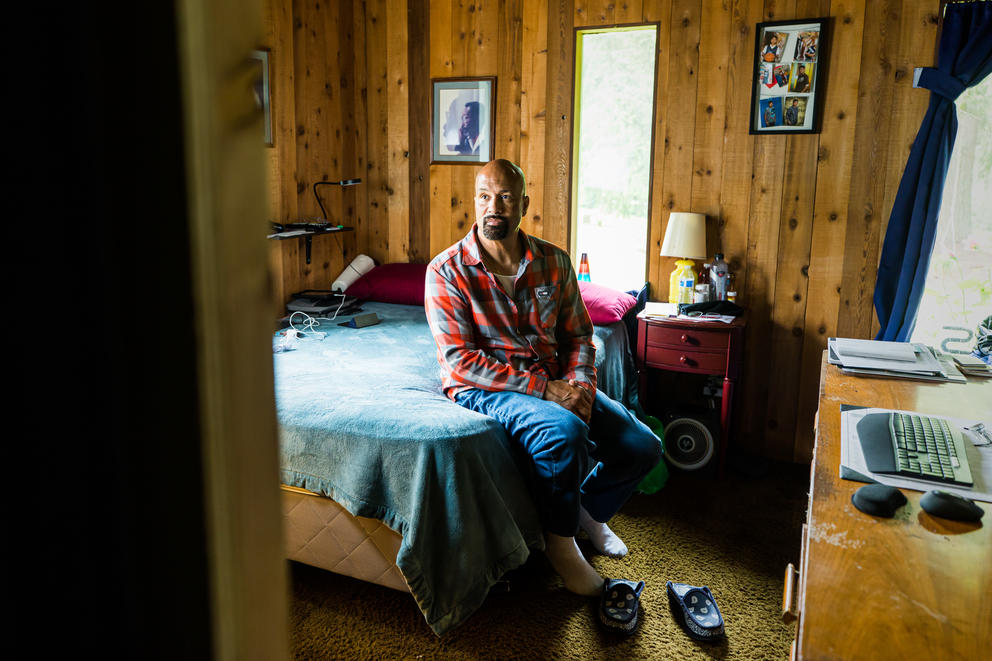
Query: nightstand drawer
686, 360
686, 337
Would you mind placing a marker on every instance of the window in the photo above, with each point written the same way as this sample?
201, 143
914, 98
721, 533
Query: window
958, 291
614, 115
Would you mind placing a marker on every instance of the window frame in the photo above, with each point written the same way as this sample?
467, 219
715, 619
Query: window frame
578, 32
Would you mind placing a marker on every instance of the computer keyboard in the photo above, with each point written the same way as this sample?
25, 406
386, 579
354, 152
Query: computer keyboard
927, 448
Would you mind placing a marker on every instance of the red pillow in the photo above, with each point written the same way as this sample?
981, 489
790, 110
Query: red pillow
392, 283
605, 305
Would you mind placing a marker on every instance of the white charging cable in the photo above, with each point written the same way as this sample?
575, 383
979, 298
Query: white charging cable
340, 305
308, 324
288, 338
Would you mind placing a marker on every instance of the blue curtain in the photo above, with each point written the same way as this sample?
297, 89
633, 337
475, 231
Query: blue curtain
964, 58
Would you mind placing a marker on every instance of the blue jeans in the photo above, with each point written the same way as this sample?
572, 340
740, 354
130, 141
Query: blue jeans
598, 465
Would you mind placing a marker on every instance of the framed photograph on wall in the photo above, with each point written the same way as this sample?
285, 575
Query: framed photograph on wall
263, 93
463, 128
789, 76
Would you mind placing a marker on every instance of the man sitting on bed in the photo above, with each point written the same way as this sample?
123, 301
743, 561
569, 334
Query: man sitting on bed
515, 343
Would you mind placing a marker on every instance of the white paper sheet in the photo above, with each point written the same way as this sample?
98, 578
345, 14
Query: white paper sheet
920, 359
875, 349
659, 309
725, 318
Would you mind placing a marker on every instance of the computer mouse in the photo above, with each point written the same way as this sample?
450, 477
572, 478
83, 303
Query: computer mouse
878, 500
949, 505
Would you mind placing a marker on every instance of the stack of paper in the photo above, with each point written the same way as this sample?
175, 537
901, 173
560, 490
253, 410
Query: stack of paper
891, 359
656, 309
659, 310
972, 366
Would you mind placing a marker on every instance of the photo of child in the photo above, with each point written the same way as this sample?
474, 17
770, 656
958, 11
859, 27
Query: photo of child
802, 78
774, 46
771, 111
767, 74
806, 46
795, 111
782, 73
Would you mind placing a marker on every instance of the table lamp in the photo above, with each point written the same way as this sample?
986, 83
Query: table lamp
343, 183
685, 238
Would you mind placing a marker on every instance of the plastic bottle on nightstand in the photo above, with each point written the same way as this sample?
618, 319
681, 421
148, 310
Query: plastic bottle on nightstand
731, 288
682, 283
687, 284
704, 290
719, 274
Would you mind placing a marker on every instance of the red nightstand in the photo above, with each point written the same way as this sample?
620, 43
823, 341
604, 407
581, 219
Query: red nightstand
699, 347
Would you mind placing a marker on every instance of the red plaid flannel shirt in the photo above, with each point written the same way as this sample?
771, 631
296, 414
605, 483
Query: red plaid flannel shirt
491, 339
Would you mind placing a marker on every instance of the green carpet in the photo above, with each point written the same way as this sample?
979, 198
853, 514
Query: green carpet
734, 535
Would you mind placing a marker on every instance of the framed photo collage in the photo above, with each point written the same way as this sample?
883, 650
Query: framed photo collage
789, 76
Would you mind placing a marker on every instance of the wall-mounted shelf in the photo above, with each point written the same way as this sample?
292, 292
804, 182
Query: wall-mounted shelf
307, 231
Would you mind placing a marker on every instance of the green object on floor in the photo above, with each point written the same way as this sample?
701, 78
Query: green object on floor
658, 476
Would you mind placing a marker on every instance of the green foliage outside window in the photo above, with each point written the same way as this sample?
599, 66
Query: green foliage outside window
615, 112
958, 291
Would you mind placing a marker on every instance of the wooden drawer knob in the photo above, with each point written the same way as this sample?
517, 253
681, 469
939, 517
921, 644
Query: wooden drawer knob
683, 360
685, 339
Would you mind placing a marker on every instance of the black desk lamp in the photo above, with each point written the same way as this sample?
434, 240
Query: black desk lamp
342, 183
321, 226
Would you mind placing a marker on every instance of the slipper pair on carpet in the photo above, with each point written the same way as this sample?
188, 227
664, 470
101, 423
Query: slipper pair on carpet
693, 607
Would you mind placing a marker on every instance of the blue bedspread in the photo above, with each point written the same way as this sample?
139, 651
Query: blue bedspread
362, 420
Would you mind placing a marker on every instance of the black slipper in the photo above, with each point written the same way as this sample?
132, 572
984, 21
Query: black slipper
619, 604
696, 610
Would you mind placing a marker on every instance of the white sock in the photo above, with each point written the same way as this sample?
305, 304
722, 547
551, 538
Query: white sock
566, 558
603, 539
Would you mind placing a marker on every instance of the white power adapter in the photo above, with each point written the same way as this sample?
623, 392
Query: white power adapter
285, 340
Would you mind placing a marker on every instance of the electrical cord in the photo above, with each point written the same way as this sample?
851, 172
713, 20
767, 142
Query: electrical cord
308, 324
345, 182
340, 305
286, 339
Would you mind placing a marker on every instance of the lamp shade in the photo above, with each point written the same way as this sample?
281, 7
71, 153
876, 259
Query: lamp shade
685, 236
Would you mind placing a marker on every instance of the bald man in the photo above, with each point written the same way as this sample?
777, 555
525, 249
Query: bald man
514, 342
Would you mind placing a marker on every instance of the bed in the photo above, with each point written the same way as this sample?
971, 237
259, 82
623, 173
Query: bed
387, 480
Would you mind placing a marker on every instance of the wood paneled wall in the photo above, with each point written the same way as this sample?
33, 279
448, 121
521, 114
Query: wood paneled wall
321, 123
800, 217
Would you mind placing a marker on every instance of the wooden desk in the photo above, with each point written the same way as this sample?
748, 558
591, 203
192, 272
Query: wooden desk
698, 347
910, 587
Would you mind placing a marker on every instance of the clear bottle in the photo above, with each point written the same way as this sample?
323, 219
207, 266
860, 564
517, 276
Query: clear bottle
719, 274
732, 287
704, 279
